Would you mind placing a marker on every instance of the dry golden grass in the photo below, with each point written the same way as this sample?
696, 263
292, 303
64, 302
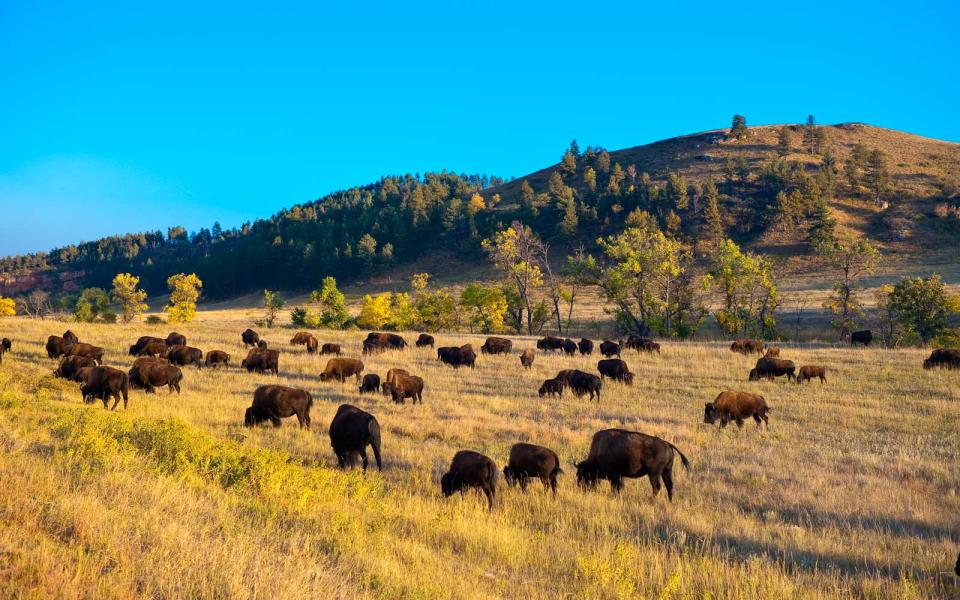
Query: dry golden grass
853, 491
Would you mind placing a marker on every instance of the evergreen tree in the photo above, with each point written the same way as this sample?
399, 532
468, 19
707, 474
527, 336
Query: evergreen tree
568, 164
711, 213
738, 128
783, 142
877, 177
822, 228
812, 138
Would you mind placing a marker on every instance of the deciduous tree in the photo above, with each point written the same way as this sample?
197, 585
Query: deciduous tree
184, 293
128, 296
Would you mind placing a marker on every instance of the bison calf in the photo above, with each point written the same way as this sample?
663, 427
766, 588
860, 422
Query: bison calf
351, 431
275, 402
736, 406
370, 383
425, 339
808, 372
551, 387
530, 460
526, 358
470, 469
217, 358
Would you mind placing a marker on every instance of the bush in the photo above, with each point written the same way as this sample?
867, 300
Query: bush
154, 320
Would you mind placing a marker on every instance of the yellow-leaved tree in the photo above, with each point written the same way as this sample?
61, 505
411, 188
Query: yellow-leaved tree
375, 312
184, 293
8, 307
128, 297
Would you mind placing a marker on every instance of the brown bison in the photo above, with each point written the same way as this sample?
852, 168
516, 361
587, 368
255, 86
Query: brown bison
153, 348
262, 344
551, 387
496, 345
351, 431
6, 344
275, 402
142, 342
773, 351
569, 347
300, 338
403, 387
217, 358
615, 369
736, 406
943, 358
262, 360
770, 367
176, 339
305, 339
80, 349
747, 347
54, 346
808, 372
470, 469
392, 374
70, 365
378, 342
102, 383
464, 356
585, 346
425, 339
526, 358
642, 344
185, 355
341, 368
617, 453
151, 375
530, 460
70, 337
608, 348
329, 348
370, 383
550, 344
249, 338
864, 337
581, 383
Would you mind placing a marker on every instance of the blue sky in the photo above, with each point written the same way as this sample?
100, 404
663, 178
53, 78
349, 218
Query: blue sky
118, 116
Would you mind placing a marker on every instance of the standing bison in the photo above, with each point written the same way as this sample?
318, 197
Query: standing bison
551, 387
864, 337
496, 345
747, 347
425, 339
581, 383
262, 360
808, 372
769, 367
275, 402
341, 368
370, 384
464, 356
379, 342
102, 383
403, 387
618, 453
54, 346
150, 375
526, 358
142, 342
470, 469
70, 365
351, 431
615, 369
249, 338
585, 346
549, 344
80, 349
530, 460
217, 358
329, 348
943, 358
738, 407
176, 339
608, 348
185, 355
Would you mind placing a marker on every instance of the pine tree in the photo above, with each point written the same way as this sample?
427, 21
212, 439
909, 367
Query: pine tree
810, 138
822, 228
711, 212
783, 142
738, 128
568, 164
877, 177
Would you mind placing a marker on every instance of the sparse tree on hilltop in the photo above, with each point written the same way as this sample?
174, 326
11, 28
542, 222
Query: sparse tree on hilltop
738, 128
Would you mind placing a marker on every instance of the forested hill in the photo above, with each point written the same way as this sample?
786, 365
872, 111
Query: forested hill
766, 187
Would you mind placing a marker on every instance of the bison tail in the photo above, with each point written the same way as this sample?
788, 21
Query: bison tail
683, 459
125, 389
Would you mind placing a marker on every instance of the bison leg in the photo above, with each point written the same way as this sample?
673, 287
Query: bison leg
489, 493
616, 484
667, 477
522, 480
739, 423
553, 484
364, 461
654, 477
341, 459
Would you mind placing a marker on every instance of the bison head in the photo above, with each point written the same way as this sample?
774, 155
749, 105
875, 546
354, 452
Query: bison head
754, 375
133, 350
448, 484
587, 474
628, 379
710, 414
262, 344
324, 377
509, 476
543, 390
250, 418
387, 388
927, 364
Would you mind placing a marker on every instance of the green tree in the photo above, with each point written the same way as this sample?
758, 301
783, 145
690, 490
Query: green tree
783, 142
184, 293
94, 304
822, 228
715, 231
616, 179
748, 294
568, 164
272, 303
676, 191
367, 249
519, 253
923, 306
888, 326
590, 180
528, 201
332, 303
855, 165
850, 258
128, 296
486, 306
877, 176
813, 136
738, 128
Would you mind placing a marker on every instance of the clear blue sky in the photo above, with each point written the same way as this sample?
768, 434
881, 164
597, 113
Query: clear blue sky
118, 116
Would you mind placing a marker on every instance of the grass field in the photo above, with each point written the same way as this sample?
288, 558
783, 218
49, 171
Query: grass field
853, 491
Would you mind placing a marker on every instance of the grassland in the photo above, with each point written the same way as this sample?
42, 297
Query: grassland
853, 491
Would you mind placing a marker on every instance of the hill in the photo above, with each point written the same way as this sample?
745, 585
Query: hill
907, 199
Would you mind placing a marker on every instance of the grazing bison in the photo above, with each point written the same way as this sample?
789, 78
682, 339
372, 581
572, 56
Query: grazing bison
341, 368
943, 358
153, 348
425, 339
769, 367
70, 337
773, 351
617, 453
351, 431
464, 356
569, 347
185, 355
549, 344
54, 346
329, 348
378, 342
615, 369
370, 383
70, 365
153, 374
747, 347
736, 406
582, 383
102, 383
864, 337
470, 469
142, 342
530, 460
217, 358
642, 344
262, 360
275, 402
403, 387
608, 348
526, 358
301, 338
585, 346
551, 387
250, 338
176, 339
808, 372
496, 345
80, 349
392, 374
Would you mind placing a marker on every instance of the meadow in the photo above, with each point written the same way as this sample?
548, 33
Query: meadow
851, 493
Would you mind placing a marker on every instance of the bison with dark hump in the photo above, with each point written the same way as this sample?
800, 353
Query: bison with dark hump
551, 387
70, 365
153, 374
351, 431
464, 356
943, 358
569, 347
300, 338
864, 337
185, 355
425, 339
747, 347
138, 349
770, 367
471, 469
530, 460
275, 402
81, 349
262, 360
102, 383
176, 339
54, 346
216, 358
379, 342
249, 337
550, 344
370, 383
403, 387
615, 369
527, 357
341, 368
70, 337
329, 348
585, 346
618, 453
808, 372
736, 406
608, 348
581, 383
496, 345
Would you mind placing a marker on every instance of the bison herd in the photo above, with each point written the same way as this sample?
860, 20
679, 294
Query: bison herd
614, 454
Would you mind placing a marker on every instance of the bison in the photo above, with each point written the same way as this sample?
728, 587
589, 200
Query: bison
569, 347
864, 337
642, 344
144, 341
275, 402
615, 369
747, 347
185, 355
370, 383
618, 453
6, 344
581, 383
249, 338
773, 351
153, 374
329, 348
551, 387
70, 365
608, 348
216, 358
736, 406
550, 344
88, 350
585, 346
808, 372
530, 460
341, 368
300, 338
496, 345
392, 374
770, 367
54, 346
943, 358
463, 356
470, 469
176, 339
70, 337
403, 387
262, 344
102, 383
425, 339
351, 431
378, 342
262, 361
526, 358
